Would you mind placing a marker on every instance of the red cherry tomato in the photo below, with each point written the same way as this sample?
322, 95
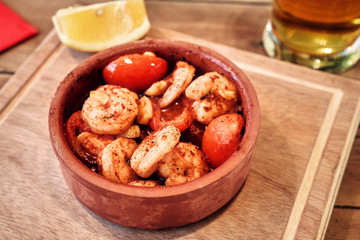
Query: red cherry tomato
178, 114
222, 137
135, 72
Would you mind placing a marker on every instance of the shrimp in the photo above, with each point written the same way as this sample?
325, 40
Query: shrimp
110, 109
94, 143
148, 53
213, 95
184, 163
150, 151
75, 125
112, 162
158, 88
145, 111
132, 132
145, 183
180, 78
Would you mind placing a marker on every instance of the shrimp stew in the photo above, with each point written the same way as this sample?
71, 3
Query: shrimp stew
153, 124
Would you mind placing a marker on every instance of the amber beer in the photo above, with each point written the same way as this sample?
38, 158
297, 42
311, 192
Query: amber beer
316, 27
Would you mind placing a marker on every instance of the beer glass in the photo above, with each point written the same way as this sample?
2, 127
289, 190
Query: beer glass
322, 34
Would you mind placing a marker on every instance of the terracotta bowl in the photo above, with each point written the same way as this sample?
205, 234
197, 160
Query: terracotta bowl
159, 207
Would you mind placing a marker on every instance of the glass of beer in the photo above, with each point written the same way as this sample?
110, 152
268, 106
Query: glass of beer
322, 34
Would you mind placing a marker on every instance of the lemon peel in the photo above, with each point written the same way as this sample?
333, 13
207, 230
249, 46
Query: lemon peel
99, 26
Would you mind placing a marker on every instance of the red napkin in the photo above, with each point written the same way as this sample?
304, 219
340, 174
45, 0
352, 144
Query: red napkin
13, 28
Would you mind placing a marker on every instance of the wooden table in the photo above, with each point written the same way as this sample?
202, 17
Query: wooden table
237, 23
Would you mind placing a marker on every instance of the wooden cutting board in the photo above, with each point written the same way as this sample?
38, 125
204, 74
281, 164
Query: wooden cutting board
309, 120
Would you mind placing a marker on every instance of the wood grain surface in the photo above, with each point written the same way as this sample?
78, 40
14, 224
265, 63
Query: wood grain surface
299, 142
234, 23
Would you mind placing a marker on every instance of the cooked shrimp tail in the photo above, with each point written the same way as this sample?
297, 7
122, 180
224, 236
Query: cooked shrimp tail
94, 143
181, 78
186, 162
145, 183
150, 151
213, 95
113, 161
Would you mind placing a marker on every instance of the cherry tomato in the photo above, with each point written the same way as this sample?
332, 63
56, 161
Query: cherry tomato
222, 137
178, 114
135, 71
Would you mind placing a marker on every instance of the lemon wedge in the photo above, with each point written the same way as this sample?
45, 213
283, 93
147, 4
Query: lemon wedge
99, 26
